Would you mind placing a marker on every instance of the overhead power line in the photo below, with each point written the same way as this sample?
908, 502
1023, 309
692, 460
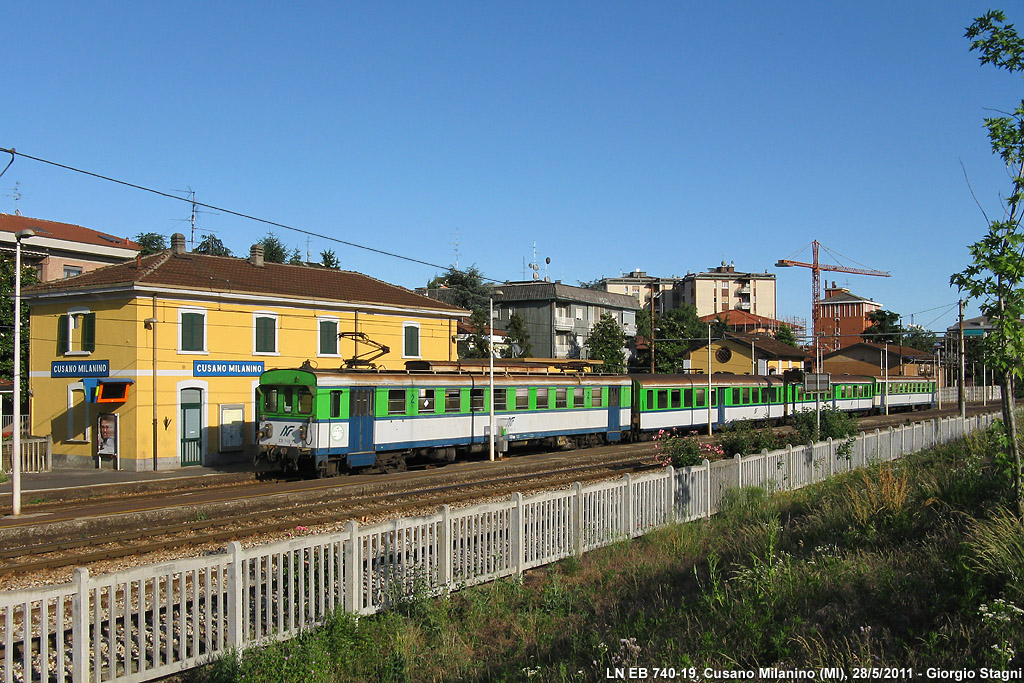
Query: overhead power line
239, 214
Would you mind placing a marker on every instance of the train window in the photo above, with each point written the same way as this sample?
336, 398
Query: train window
674, 398
746, 397
335, 404
305, 401
688, 398
596, 399
663, 398
700, 403
476, 399
561, 397
714, 397
286, 402
522, 398
396, 401
651, 405
425, 401
270, 401
737, 397
578, 400
452, 400
543, 398
500, 398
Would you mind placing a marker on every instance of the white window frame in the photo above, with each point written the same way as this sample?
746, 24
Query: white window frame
277, 329
70, 350
70, 436
337, 341
419, 339
206, 326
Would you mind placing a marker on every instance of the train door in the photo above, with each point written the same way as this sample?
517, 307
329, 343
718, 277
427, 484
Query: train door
614, 417
360, 427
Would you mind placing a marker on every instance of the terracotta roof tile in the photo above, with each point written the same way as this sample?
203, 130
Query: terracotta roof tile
238, 275
64, 231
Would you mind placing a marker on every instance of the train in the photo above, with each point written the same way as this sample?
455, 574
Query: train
326, 422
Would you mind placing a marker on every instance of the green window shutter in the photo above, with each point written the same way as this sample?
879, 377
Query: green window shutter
265, 335
412, 341
328, 337
63, 335
89, 332
192, 331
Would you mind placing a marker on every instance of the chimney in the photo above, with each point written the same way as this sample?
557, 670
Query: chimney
256, 255
178, 243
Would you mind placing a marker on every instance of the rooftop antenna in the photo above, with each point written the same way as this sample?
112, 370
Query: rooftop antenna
16, 193
533, 264
192, 218
457, 243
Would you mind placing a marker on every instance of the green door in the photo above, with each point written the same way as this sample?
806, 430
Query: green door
191, 427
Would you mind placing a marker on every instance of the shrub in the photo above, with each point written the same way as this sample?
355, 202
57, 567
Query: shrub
743, 438
683, 451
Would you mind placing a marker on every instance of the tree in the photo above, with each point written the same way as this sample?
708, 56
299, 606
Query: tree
212, 246
28, 277
994, 276
916, 337
597, 285
607, 343
518, 338
296, 258
677, 332
274, 250
466, 288
477, 345
884, 328
328, 259
151, 242
784, 334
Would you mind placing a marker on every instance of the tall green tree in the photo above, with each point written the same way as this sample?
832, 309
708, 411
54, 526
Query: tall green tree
916, 337
28, 277
518, 337
466, 288
211, 246
676, 332
995, 274
151, 242
328, 259
274, 250
607, 343
884, 328
784, 334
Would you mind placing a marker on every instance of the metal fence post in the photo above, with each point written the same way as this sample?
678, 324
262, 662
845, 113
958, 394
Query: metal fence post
235, 598
79, 626
518, 534
627, 502
738, 459
49, 452
353, 580
577, 521
671, 517
444, 548
831, 458
707, 488
789, 466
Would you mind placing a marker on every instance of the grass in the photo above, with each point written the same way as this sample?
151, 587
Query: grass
911, 564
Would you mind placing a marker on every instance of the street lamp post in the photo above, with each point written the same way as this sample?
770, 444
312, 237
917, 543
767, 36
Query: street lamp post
490, 384
16, 408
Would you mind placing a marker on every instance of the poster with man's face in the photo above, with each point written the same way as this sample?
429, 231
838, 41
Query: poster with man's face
107, 430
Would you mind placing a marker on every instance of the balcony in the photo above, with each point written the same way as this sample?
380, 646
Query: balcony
563, 323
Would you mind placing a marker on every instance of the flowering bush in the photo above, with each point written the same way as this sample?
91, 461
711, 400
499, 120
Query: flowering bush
683, 451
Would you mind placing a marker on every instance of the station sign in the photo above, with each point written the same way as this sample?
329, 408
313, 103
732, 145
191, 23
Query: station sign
817, 383
227, 368
80, 368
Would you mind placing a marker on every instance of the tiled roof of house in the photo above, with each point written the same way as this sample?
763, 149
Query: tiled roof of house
63, 231
770, 346
894, 350
737, 316
237, 275
844, 297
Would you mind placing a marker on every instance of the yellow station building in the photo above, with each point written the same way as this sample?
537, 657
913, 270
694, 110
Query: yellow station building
153, 364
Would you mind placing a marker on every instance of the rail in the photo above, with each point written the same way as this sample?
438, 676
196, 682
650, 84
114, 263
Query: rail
36, 454
154, 621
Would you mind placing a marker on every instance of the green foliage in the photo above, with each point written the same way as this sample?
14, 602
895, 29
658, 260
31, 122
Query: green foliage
151, 242
884, 328
212, 246
678, 331
607, 342
274, 250
784, 334
296, 258
328, 259
517, 336
744, 438
597, 284
477, 346
835, 424
466, 288
684, 450
28, 278
916, 337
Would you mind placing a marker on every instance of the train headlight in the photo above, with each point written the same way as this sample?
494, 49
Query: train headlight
304, 432
266, 431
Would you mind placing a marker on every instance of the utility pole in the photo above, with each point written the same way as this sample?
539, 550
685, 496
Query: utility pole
962, 372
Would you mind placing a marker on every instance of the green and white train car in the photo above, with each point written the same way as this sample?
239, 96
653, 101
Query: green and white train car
323, 422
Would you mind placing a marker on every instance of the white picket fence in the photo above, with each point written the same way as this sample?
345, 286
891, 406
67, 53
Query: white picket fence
36, 454
148, 622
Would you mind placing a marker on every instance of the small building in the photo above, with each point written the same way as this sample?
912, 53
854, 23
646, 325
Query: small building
643, 287
843, 318
737, 320
153, 364
724, 289
62, 250
743, 354
559, 317
879, 360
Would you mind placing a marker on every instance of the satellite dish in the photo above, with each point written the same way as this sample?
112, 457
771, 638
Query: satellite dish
548, 260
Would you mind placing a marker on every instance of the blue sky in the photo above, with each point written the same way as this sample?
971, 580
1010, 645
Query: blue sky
665, 136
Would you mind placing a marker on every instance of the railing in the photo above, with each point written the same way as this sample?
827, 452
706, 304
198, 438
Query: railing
154, 621
7, 420
36, 454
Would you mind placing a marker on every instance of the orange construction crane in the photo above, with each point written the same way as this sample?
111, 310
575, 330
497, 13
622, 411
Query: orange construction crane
816, 269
